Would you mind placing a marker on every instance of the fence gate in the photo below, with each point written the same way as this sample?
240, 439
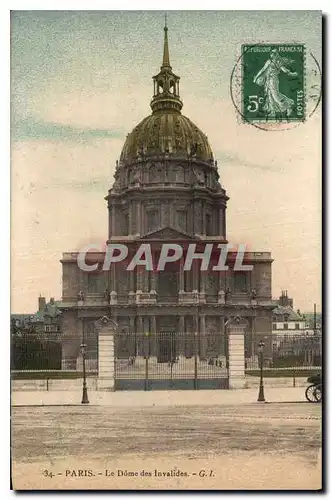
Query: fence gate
170, 360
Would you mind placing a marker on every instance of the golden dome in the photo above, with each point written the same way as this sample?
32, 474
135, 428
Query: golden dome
166, 132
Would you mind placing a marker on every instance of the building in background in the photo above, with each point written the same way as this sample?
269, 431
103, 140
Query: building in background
285, 319
293, 337
45, 322
167, 189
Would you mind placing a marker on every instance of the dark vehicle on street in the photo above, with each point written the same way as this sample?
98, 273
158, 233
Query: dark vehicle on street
314, 391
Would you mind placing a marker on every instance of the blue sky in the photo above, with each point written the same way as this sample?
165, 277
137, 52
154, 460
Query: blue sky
82, 80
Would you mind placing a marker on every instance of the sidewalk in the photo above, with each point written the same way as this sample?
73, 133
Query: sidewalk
158, 398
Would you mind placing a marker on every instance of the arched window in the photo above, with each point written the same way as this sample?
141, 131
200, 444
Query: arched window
181, 219
208, 225
179, 174
240, 282
152, 220
125, 228
96, 282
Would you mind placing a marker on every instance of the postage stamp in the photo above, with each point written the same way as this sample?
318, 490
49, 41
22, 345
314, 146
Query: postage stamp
273, 82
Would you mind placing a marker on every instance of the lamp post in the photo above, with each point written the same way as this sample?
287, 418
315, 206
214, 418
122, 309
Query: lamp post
261, 346
85, 399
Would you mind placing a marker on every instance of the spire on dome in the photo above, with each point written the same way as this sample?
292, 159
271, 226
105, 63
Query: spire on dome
166, 63
166, 83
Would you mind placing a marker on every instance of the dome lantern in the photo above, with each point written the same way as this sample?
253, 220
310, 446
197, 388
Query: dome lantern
166, 132
166, 84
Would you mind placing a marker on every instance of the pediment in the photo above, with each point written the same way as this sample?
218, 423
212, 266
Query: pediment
106, 323
167, 233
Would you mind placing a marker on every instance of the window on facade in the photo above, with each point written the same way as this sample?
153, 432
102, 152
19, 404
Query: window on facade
125, 229
168, 283
297, 326
179, 174
152, 220
181, 216
208, 224
274, 318
274, 326
188, 281
285, 326
96, 283
240, 282
52, 328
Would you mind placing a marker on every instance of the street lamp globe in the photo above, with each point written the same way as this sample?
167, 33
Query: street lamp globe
261, 346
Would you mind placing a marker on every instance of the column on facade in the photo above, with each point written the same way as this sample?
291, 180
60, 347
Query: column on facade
131, 280
130, 217
153, 332
140, 324
195, 334
224, 223
138, 218
223, 339
194, 268
132, 334
113, 287
146, 275
202, 280
197, 218
202, 338
133, 217
191, 218
221, 280
140, 336
153, 286
165, 214
113, 220
181, 275
181, 336
140, 279
204, 228
195, 323
220, 222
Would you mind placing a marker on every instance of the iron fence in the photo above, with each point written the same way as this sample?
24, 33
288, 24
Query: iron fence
285, 351
167, 360
28, 352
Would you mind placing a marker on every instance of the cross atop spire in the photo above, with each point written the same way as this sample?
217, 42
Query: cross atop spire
166, 63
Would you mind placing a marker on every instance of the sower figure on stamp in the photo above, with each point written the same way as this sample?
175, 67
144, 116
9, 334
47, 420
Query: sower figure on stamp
268, 77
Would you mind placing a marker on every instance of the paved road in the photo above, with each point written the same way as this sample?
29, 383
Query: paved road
40, 433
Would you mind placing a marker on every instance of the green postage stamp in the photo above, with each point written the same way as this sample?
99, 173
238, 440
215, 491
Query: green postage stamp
273, 82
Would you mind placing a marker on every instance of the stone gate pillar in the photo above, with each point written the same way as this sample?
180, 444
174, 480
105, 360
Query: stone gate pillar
236, 357
106, 329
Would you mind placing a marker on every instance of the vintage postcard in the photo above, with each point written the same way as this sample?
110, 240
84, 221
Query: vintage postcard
166, 329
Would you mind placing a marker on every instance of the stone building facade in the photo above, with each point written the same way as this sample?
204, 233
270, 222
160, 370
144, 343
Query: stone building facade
166, 189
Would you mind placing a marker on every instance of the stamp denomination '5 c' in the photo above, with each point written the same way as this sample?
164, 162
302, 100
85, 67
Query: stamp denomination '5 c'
273, 82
